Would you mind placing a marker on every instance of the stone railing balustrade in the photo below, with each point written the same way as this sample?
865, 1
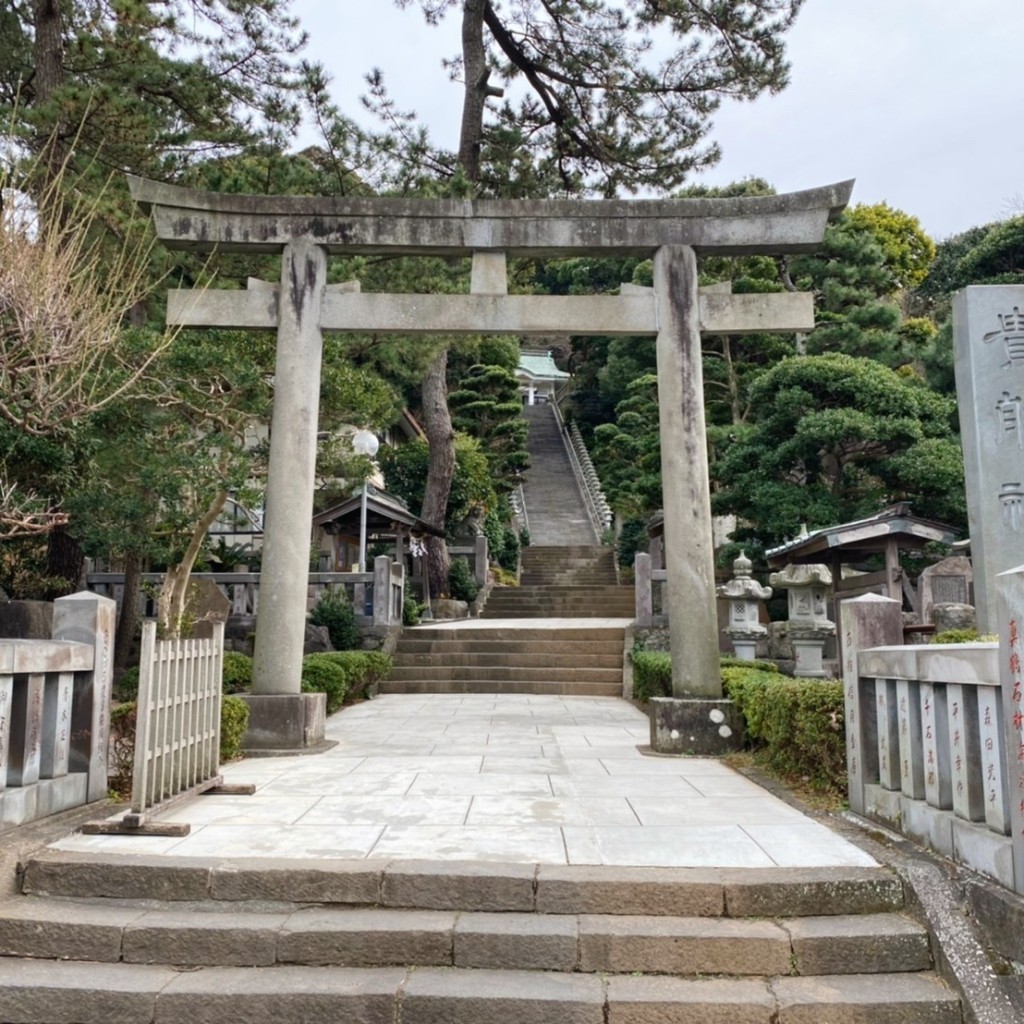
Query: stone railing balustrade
243, 590
55, 712
928, 751
645, 581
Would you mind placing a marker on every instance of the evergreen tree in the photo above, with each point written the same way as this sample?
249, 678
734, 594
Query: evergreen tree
487, 405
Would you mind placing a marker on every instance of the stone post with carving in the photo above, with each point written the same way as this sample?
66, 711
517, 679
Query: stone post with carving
744, 595
809, 624
988, 343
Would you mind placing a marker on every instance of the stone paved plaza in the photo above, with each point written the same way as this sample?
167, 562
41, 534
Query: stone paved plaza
524, 778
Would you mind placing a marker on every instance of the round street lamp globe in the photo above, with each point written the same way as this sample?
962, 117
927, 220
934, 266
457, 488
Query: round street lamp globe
364, 442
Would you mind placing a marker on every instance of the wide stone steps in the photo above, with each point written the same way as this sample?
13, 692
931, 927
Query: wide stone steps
575, 661
154, 939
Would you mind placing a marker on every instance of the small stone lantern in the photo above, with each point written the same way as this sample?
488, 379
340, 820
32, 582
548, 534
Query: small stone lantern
809, 625
744, 594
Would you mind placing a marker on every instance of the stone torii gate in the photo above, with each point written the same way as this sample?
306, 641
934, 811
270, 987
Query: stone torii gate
306, 230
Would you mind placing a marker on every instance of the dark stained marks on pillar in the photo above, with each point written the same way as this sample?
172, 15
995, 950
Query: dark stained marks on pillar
303, 281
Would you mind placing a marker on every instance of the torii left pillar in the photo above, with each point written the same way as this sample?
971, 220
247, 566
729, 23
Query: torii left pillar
282, 718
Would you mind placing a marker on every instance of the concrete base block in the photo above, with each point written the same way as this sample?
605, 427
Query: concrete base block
21, 804
291, 722
690, 726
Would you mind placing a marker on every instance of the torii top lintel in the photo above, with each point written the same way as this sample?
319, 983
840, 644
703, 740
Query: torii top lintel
203, 221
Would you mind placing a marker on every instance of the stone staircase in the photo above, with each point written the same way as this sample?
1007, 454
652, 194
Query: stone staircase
563, 582
555, 510
579, 662
149, 938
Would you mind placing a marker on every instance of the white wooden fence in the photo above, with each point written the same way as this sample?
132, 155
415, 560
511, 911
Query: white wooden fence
177, 725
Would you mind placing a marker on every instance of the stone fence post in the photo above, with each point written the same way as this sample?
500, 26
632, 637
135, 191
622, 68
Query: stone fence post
867, 621
1010, 610
480, 564
89, 619
642, 588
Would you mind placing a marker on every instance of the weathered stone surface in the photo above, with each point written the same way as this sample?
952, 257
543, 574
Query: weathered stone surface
499, 997
658, 1000
37, 928
704, 728
367, 938
284, 721
789, 892
26, 620
858, 944
340, 881
516, 942
447, 608
436, 885
191, 937
690, 892
190, 219
682, 945
316, 639
282, 995
79, 993
866, 999
139, 877
953, 616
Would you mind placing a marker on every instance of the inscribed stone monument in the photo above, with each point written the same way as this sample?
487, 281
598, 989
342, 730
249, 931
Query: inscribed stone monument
988, 336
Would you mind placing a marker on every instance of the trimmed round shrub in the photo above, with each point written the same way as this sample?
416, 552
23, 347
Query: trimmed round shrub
411, 611
321, 673
461, 585
362, 669
335, 611
234, 720
236, 676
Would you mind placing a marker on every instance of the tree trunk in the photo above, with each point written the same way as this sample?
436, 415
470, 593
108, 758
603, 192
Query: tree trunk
124, 636
173, 598
48, 77
64, 560
437, 422
475, 73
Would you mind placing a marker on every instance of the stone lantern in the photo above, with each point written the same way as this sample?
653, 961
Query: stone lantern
744, 594
809, 625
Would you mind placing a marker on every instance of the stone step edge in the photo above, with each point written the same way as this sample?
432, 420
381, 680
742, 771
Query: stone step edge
139, 932
59, 992
471, 885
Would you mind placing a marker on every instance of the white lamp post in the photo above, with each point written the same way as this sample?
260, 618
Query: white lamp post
364, 442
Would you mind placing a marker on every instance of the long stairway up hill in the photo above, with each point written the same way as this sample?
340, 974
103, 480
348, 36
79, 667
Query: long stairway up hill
555, 509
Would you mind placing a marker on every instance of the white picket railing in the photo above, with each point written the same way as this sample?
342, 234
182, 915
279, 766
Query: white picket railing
177, 725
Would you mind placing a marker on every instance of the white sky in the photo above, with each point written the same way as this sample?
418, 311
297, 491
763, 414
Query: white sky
922, 101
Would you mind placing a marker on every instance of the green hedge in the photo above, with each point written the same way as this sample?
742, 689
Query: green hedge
234, 720
236, 676
796, 724
343, 673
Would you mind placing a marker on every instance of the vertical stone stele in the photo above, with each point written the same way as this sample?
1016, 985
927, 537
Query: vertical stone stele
988, 344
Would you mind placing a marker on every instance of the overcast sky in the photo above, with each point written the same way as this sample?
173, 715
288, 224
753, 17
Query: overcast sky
922, 101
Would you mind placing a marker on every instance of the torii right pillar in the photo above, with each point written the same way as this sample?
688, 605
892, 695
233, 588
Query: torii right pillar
696, 719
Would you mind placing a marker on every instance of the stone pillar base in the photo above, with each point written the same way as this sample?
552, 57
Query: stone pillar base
692, 726
809, 664
285, 723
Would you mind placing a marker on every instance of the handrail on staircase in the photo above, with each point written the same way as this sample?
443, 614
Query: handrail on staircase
598, 509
